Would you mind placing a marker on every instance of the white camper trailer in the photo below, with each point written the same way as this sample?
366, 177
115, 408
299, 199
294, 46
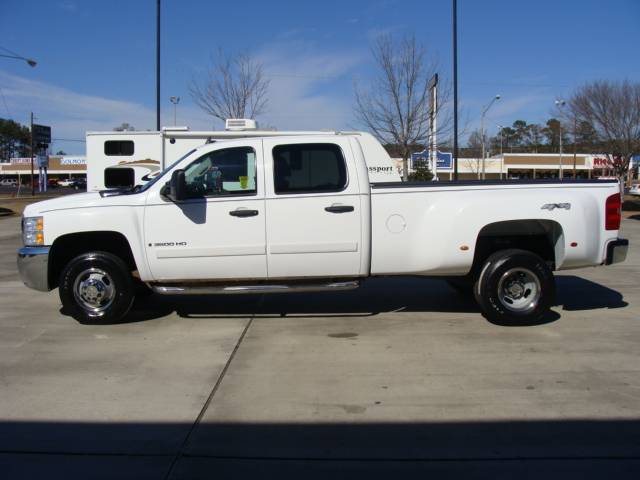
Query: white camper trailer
125, 159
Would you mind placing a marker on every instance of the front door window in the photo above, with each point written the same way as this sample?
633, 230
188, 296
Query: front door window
230, 171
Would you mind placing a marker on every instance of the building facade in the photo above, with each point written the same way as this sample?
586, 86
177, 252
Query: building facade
60, 167
529, 166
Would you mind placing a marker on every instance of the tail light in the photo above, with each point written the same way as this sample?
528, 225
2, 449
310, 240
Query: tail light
613, 212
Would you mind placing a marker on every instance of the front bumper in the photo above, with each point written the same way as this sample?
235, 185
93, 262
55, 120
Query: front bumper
33, 263
617, 251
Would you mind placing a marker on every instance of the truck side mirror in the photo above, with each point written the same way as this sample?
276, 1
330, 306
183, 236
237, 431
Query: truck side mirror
177, 186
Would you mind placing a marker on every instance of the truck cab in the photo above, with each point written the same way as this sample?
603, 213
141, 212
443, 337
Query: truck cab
297, 215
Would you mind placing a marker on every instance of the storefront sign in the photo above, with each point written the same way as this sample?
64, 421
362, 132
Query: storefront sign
600, 162
445, 160
20, 160
73, 161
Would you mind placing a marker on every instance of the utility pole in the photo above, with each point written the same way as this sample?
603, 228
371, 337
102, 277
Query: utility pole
455, 89
484, 112
433, 114
33, 188
158, 66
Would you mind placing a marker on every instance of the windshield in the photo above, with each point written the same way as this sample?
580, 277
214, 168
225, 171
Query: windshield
148, 185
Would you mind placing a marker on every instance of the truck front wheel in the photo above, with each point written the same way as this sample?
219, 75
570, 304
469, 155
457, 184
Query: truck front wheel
96, 287
515, 287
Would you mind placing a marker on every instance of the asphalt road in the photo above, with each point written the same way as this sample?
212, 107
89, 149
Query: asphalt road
400, 378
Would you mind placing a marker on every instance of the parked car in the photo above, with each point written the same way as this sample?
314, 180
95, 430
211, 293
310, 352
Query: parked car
272, 212
65, 182
52, 183
79, 184
9, 182
635, 189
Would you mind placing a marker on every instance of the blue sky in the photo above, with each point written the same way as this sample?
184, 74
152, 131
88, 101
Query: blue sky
96, 59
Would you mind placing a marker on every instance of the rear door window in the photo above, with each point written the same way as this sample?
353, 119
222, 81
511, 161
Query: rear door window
309, 168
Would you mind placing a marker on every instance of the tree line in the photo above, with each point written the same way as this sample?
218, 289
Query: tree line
523, 137
15, 139
600, 116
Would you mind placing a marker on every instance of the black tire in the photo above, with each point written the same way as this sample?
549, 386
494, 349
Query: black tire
99, 279
515, 287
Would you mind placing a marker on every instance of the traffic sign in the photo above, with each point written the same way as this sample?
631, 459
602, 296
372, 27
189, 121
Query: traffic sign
41, 134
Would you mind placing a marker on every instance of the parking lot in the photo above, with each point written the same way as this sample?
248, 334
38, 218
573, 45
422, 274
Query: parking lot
401, 377
26, 190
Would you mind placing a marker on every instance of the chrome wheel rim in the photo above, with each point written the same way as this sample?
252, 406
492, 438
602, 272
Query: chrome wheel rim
94, 291
519, 290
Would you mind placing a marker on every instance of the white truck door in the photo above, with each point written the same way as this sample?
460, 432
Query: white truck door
313, 208
218, 233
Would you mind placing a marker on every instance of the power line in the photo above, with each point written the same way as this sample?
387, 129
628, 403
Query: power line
67, 140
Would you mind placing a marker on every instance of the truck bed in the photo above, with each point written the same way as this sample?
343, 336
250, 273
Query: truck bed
433, 228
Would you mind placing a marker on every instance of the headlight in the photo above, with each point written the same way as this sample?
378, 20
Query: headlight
33, 231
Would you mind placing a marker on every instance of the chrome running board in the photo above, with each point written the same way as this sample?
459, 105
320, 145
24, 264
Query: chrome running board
246, 289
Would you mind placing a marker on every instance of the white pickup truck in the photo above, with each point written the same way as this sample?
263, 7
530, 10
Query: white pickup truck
279, 212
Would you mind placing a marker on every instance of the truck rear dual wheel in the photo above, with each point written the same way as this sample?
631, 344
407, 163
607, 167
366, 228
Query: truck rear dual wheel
96, 287
515, 287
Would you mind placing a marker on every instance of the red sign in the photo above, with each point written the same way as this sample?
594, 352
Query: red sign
604, 162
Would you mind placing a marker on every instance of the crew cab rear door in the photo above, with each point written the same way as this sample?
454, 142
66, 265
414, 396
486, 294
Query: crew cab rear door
313, 208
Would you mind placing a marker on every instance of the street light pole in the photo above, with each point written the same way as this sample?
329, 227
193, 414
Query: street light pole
33, 188
560, 104
484, 111
175, 101
158, 66
11, 54
30, 62
575, 146
501, 153
560, 161
455, 88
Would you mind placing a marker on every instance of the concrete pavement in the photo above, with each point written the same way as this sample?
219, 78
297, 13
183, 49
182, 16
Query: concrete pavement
402, 377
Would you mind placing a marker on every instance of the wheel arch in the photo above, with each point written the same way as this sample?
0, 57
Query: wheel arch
540, 236
67, 247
